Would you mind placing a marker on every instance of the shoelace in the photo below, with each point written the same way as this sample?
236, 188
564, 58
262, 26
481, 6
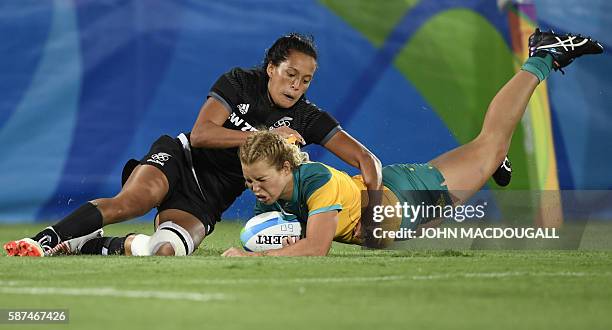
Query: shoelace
62, 247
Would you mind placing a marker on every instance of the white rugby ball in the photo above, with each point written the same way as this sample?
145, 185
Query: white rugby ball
267, 230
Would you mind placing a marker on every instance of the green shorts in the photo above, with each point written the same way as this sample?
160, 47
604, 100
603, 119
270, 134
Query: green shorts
414, 185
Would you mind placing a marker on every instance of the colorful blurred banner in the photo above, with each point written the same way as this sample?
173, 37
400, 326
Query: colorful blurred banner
537, 120
87, 85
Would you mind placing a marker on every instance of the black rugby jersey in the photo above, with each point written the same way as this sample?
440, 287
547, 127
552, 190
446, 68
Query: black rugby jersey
244, 93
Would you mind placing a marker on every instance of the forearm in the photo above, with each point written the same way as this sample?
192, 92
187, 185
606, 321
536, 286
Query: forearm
303, 247
371, 171
214, 136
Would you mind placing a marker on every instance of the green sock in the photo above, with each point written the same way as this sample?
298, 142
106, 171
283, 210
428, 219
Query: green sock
539, 66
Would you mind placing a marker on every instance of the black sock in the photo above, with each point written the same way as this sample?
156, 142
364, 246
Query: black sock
84, 220
47, 238
104, 246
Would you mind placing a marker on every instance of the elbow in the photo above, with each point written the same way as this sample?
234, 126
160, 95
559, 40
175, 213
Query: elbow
200, 137
371, 169
321, 253
368, 161
320, 250
376, 161
366, 156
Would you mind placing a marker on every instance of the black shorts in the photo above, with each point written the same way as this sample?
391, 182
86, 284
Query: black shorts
168, 155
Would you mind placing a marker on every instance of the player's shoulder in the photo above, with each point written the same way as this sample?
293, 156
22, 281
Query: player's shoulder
311, 170
240, 85
246, 75
313, 175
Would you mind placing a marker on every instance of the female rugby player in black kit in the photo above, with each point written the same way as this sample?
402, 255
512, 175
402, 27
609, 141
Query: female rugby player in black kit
193, 178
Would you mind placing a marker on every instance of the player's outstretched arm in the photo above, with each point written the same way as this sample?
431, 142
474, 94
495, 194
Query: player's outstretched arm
320, 232
357, 155
208, 130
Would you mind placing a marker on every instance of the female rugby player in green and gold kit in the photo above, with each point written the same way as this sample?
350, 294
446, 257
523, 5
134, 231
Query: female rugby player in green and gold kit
328, 201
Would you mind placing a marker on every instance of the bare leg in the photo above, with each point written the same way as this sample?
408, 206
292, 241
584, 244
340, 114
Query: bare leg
467, 168
146, 188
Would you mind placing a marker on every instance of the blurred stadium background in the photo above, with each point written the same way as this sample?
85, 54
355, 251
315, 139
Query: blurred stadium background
86, 85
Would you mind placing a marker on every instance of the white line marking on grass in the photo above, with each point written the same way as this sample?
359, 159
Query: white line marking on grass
289, 280
350, 280
347, 279
112, 292
17, 287
506, 274
283, 281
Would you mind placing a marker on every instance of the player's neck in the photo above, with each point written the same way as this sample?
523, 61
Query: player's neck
272, 104
287, 193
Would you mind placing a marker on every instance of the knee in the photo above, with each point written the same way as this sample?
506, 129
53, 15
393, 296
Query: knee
493, 147
165, 250
500, 153
169, 239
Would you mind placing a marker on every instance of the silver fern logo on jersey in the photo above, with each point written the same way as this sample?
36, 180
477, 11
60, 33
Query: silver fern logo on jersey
243, 108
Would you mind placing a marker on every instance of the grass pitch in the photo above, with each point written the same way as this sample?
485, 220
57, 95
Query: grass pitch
350, 289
